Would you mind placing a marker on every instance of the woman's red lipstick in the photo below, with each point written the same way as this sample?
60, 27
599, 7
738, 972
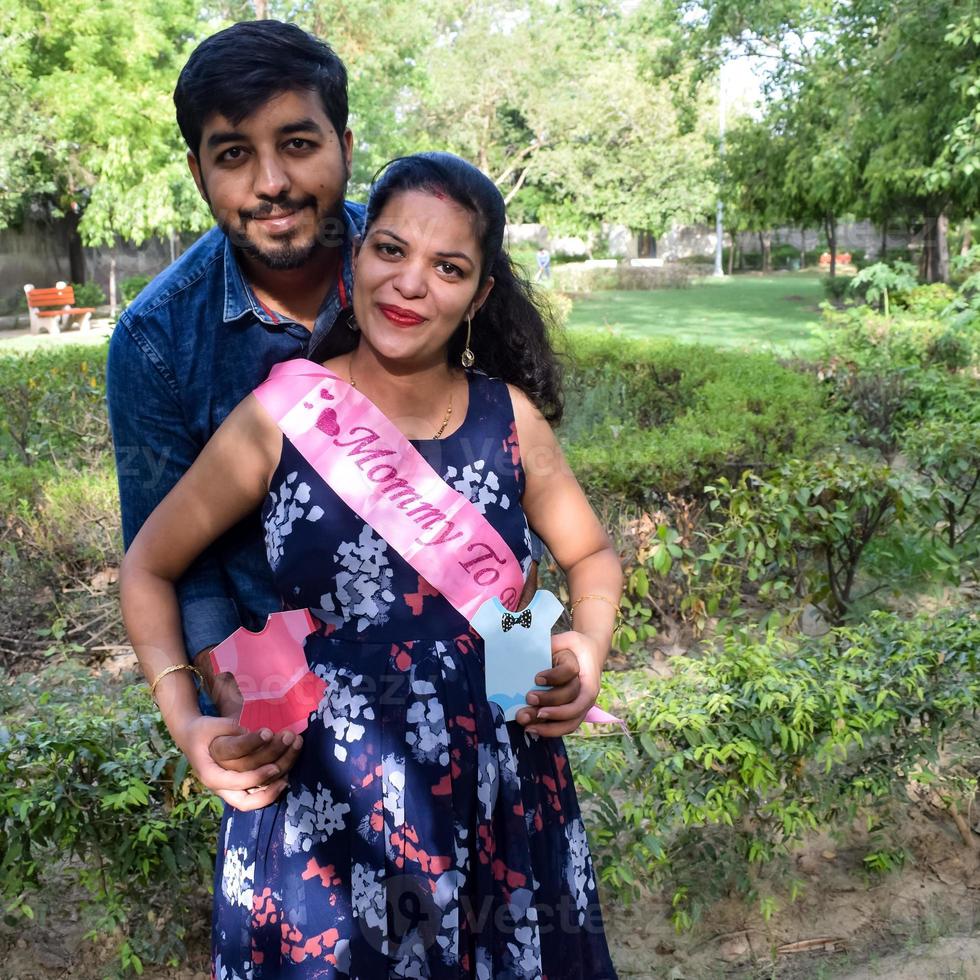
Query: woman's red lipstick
404, 318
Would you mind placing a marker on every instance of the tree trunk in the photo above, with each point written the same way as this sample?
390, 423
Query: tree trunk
802, 248
76, 253
765, 243
830, 222
261, 9
112, 285
884, 241
935, 249
967, 242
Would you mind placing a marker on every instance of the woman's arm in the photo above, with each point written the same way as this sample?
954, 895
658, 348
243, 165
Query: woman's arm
557, 509
226, 483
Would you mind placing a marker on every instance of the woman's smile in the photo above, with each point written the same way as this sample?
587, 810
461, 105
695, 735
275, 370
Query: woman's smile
400, 316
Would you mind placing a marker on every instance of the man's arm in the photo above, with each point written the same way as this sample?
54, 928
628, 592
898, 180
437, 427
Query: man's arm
154, 449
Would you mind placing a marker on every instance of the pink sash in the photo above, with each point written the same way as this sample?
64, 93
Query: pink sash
383, 478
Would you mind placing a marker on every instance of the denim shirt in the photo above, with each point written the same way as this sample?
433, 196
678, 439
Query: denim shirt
191, 346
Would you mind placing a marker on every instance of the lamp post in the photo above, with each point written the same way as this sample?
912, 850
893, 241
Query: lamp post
720, 208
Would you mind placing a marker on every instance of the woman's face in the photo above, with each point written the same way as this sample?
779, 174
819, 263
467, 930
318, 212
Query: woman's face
416, 278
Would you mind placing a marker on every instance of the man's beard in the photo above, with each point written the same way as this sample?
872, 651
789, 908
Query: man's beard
289, 254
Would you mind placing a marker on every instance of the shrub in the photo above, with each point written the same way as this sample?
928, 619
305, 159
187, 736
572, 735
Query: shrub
574, 277
646, 419
930, 300
835, 287
880, 282
861, 338
53, 406
74, 523
784, 255
88, 294
132, 286
739, 754
93, 794
556, 307
946, 454
802, 532
59, 536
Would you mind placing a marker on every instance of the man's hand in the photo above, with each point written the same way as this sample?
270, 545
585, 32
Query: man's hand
238, 750
244, 789
574, 681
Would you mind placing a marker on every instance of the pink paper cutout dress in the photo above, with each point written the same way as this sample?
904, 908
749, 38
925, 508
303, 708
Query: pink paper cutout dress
277, 685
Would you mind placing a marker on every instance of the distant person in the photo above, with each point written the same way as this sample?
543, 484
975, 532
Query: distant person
544, 265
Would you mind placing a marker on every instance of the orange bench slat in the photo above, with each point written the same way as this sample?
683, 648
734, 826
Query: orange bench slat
65, 312
51, 297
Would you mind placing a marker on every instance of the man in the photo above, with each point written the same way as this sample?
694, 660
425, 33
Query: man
263, 109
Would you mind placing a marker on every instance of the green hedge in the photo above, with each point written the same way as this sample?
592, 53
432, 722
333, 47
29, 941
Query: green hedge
647, 418
730, 762
578, 278
643, 418
95, 797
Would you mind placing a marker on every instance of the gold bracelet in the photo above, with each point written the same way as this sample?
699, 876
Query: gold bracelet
169, 670
571, 612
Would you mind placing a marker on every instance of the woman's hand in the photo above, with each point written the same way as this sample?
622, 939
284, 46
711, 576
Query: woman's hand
249, 789
574, 681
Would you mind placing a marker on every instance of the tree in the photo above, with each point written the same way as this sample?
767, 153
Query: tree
92, 86
566, 118
754, 173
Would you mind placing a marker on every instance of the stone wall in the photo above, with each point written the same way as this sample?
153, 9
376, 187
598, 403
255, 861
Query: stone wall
38, 254
850, 236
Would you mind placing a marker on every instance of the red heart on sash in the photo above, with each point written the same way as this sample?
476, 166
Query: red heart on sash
327, 422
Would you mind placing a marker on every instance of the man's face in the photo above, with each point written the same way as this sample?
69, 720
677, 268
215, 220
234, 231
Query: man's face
275, 182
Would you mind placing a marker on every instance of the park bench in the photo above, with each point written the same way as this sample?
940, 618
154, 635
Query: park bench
55, 308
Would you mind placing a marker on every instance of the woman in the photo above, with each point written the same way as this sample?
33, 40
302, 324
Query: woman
419, 834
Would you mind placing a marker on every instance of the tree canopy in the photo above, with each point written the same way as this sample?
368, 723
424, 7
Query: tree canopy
583, 112
547, 98
873, 103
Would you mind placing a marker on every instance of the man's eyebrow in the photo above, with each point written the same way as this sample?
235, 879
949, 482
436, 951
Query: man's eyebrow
228, 136
307, 125
233, 136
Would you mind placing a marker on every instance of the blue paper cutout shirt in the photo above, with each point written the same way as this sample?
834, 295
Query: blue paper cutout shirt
515, 656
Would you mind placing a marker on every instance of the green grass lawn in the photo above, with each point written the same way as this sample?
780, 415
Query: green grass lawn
776, 312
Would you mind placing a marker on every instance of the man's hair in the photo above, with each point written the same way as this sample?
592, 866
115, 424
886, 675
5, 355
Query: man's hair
239, 69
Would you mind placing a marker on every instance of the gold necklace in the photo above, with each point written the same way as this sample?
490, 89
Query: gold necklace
446, 417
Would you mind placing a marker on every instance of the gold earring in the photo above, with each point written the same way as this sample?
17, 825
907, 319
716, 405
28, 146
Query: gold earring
467, 358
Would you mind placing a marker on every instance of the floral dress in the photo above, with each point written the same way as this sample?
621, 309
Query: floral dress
421, 835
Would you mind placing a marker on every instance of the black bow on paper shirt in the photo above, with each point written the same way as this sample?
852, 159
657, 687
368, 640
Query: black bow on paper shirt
521, 619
